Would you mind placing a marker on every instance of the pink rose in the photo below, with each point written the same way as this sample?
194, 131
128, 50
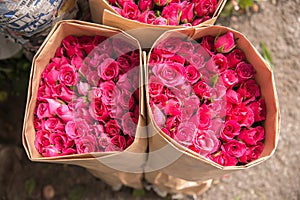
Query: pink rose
87, 43
197, 61
231, 129
249, 89
108, 69
161, 2
42, 141
83, 88
53, 124
44, 91
62, 92
72, 46
104, 141
234, 148
252, 136
169, 46
185, 133
205, 143
160, 21
130, 11
187, 14
233, 97
65, 112
205, 7
176, 58
259, 109
125, 63
124, 82
67, 75
102, 47
252, 153
172, 123
235, 57
189, 107
155, 87
180, 92
171, 74
109, 92
119, 141
160, 100
129, 124
225, 43
218, 64
50, 76
61, 141
186, 50
145, 5
123, 99
242, 115
76, 62
47, 108
245, 71
147, 17
208, 43
202, 90
172, 13
86, 144
192, 74
204, 114
224, 159
70, 130
99, 110
230, 78
112, 128
173, 107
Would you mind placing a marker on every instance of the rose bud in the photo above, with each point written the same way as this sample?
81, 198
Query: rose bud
147, 17
130, 11
234, 148
171, 13
145, 5
205, 7
187, 14
225, 43
160, 21
245, 71
235, 57
122, 2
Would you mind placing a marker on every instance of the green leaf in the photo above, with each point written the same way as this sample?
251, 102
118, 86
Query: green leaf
266, 55
138, 192
76, 193
30, 186
214, 80
245, 3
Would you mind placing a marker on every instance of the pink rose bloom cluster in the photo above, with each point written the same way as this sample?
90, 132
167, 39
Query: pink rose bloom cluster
203, 95
166, 12
87, 98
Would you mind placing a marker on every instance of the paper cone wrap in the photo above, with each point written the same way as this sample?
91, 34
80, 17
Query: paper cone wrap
170, 160
104, 165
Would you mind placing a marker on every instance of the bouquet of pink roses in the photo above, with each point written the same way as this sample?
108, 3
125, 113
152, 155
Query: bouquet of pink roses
211, 104
153, 17
84, 99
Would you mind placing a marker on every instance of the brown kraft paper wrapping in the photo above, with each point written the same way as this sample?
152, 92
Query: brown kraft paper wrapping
112, 167
146, 34
173, 168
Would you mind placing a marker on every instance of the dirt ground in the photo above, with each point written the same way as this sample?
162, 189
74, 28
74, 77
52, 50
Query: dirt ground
278, 25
